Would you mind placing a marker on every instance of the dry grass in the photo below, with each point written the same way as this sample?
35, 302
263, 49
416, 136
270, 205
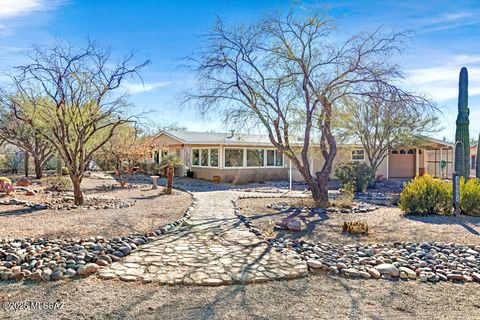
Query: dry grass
385, 225
152, 210
315, 297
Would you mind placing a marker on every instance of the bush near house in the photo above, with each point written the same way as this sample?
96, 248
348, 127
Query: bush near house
470, 197
426, 195
356, 174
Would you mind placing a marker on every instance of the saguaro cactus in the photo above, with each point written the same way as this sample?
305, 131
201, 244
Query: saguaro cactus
477, 161
462, 164
459, 157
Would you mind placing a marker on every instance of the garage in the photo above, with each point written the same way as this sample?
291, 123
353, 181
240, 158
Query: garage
401, 163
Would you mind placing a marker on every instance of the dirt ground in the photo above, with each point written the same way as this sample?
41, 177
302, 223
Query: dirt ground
314, 297
152, 210
386, 224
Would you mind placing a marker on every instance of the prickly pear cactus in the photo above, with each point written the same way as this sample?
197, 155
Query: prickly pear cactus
462, 164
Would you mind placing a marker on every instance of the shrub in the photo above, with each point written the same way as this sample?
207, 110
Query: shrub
355, 227
470, 197
6, 185
56, 183
354, 173
426, 195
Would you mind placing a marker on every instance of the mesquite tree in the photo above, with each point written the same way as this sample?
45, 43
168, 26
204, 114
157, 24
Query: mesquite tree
384, 121
288, 75
26, 138
74, 99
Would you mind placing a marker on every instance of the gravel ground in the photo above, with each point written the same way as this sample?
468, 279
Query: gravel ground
321, 297
386, 225
152, 209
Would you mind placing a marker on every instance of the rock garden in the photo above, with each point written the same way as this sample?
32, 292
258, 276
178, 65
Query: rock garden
46, 237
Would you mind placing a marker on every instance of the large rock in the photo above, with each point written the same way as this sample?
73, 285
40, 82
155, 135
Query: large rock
294, 225
387, 268
87, 269
409, 272
314, 263
23, 182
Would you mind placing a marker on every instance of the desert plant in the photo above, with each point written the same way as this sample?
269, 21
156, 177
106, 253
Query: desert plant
426, 195
477, 161
355, 227
56, 183
356, 174
470, 196
168, 165
462, 164
6, 185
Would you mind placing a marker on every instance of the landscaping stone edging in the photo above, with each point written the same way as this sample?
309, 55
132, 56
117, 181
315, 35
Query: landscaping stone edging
427, 261
56, 259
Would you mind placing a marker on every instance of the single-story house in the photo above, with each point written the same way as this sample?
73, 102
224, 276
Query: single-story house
239, 158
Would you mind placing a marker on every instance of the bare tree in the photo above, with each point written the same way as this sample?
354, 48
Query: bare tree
288, 74
124, 150
23, 136
74, 99
385, 120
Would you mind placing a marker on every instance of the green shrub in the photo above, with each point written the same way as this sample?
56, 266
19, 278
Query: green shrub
470, 197
426, 195
355, 173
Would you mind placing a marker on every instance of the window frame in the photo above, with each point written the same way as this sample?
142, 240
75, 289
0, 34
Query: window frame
352, 154
245, 151
209, 160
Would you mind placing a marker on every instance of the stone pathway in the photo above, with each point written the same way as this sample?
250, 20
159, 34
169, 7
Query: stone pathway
214, 248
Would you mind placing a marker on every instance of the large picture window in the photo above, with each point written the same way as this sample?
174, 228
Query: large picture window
205, 157
255, 157
233, 158
274, 158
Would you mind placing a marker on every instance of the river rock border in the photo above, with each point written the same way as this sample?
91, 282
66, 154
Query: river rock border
427, 261
61, 259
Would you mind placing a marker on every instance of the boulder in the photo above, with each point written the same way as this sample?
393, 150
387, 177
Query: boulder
387, 268
23, 182
294, 225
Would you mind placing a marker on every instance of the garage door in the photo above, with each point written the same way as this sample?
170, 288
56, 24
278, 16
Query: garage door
401, 163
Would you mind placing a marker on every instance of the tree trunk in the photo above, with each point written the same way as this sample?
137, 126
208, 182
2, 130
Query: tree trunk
77, 191
27, 158
170, 172
320, 193
38, 168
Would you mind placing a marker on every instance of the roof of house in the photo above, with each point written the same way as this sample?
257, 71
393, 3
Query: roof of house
234, 138
192, 137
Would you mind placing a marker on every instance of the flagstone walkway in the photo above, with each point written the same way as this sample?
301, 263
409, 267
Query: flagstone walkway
214, 248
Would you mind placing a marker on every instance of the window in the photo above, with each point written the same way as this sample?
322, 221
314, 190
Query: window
358, 155
270, 158
394, 152
474, 161
156, 156
164, 153
196, 157
177, 153
278, 158
255, 157
204, 158
213, 157
233, 158
403, 151
411, 151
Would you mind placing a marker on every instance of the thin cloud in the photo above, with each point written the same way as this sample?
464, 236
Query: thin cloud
448, 21
11, 9
135, 88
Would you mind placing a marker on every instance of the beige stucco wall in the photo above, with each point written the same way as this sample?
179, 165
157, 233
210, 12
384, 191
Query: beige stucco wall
242, 175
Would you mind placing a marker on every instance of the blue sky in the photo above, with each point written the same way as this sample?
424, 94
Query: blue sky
446, 36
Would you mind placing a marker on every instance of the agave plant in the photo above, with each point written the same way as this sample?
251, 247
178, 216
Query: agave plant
168, 165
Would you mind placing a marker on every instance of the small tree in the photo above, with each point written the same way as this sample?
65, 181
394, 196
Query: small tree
74, 100
385, 120
23, 136
288, 74
124, 150
168, 165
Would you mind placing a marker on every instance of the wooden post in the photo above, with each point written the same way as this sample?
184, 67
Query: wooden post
456, 193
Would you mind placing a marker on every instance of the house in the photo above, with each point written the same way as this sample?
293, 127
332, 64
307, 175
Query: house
239, 158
